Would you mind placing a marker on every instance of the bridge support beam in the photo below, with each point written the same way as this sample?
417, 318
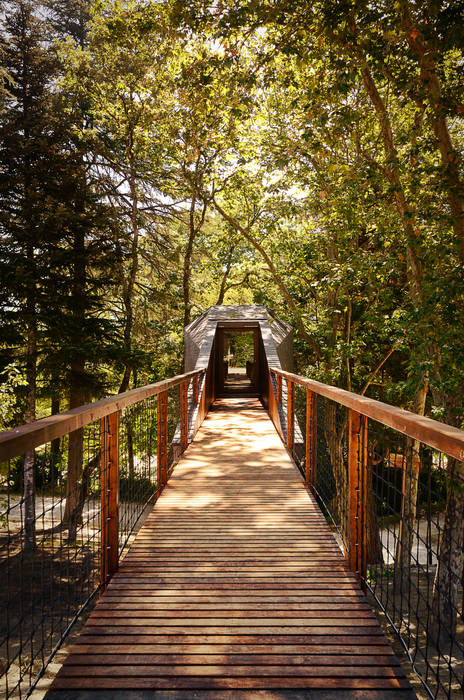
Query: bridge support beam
109, 490
357, 493
311, 440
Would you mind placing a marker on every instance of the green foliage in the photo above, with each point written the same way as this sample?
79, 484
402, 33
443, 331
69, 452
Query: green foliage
242, 349
12, 379
234, 153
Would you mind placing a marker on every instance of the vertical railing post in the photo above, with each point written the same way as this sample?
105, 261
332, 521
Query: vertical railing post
357, 496
184, 415
311, 440
162, 471
195, 390
279, 389
109, 490
290, 416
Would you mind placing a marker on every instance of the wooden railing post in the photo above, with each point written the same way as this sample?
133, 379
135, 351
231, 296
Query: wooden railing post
162, 471
311, 439
184, 415
109, 490
195, 390
290, 416
279, 389
357, 496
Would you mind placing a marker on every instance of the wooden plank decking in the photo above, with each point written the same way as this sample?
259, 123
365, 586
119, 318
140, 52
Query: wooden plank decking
234, 587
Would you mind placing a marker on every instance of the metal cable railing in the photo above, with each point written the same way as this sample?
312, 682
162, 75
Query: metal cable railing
392, 485
73, 488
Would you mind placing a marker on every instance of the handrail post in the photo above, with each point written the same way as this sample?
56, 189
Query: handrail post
311, 440
162, 470
279, 389
195, 390
109, 495
184, 416
290, 416
357, 496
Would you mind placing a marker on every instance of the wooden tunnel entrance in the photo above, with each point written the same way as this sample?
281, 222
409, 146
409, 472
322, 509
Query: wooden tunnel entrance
238, 344
237, 361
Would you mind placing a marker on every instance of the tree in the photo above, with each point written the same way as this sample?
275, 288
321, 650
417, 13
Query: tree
25, 157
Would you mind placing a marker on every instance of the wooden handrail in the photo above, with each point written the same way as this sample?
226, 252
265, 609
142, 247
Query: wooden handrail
443, 437
19, 440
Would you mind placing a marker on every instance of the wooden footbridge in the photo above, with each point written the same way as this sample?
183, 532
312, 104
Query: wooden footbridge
235, 586
235, 582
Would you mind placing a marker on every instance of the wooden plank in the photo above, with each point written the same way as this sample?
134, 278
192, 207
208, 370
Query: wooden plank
100, 636
209, 670
194, 659
141, 683
290, 651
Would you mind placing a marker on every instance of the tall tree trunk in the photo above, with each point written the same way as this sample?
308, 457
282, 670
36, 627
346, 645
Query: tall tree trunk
55, 446
448, 575
129, 282
187, 271
223, 287
29, 457
450, 566
77, 393
392, 173
410, 488
334, 425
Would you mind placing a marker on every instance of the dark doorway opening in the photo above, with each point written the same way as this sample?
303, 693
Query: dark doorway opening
238, 362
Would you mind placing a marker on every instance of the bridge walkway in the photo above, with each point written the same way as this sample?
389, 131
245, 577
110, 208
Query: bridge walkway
234, 588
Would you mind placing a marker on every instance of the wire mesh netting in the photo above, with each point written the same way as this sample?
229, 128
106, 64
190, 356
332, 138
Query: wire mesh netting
49, 551
415, 552
331, 483
299, 449
138, 442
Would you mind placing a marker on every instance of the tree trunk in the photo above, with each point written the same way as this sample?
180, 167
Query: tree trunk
55, 445
334, 434
223, 287
77, 394
73, 512
30, 415
449, 571
410, 488
188, 262
392, 173
129, 283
